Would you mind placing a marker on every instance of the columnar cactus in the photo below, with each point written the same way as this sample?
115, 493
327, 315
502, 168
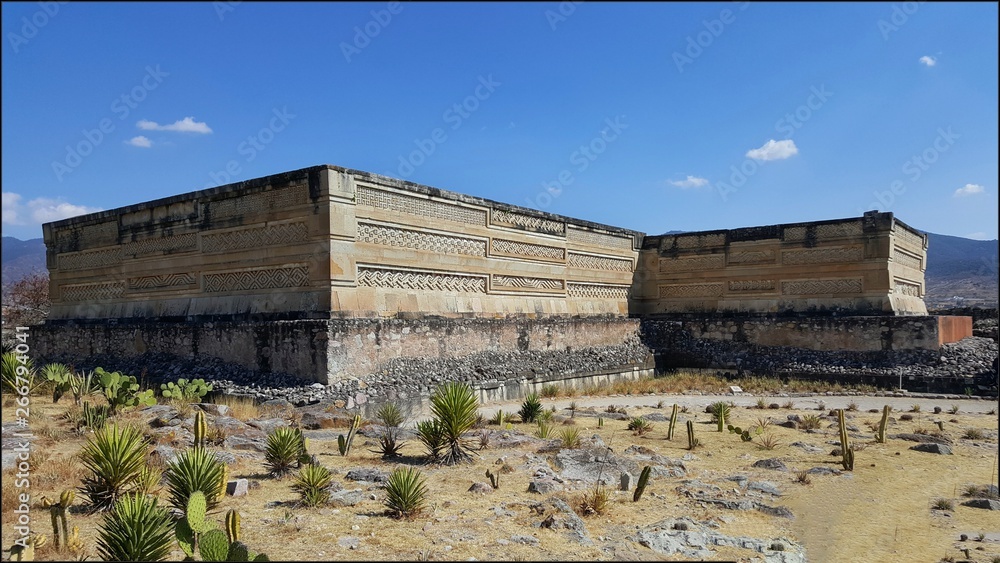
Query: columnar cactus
344, 443
494, 478
673, 422
880, 436
692, 441
641, 485
200, 429
233, 526
847, 451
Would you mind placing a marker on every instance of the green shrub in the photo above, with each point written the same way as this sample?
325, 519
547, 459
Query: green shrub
184, 390
431, 435
454, 408
137, 529
285, 446
114, 457
60, 376
195, 469
391, 418
550, 391
406, 492
544, 430
639, 425
122, 391
570, 437
531, 408
313, 485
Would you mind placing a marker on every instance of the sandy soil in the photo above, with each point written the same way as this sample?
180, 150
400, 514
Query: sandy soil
880, 512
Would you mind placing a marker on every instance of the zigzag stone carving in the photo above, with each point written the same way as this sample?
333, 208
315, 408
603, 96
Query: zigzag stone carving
406, 238
814, 287
689, 263
751, 285
751, 256
257, 278
419, 206
592, 262
691, 290
523, 282
597, 291
91, 259
598, 239
175, 243
258, 203
420, 280
526, 250
507, 218
909, 236
161, 282
822, 255
700, 241
93, 291
904, 258
255, 237
101, 234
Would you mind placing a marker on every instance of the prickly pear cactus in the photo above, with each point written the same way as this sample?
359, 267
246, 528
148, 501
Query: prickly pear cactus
233, 525
213, 546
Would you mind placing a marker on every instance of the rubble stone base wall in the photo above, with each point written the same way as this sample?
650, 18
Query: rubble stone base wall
324, 351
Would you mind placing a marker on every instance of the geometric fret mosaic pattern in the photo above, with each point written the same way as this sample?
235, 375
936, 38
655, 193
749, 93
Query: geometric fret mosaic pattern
259, 278
161, 281
599, 262
256, 237
500, 217
816, 287
93, 291
420, 280
420, 240
419, 206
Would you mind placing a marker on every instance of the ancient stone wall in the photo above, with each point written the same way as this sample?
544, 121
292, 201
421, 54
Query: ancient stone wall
867, 265
326, 241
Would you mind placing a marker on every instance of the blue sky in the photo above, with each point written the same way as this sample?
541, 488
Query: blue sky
655, 117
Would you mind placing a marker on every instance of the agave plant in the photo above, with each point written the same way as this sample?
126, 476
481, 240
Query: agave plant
430, 434
531, 408
313, 484
195, 469
285, 446
406, 492
114, 456
454, 408
17, 374
391, 418
136, 530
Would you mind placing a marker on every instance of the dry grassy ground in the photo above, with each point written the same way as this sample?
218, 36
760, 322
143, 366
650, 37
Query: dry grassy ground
880, 512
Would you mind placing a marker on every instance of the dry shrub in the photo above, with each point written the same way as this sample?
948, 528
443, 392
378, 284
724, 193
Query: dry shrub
241, 408
10, 496
58, 472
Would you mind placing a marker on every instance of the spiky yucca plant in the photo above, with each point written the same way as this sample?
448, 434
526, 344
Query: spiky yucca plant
429, 434
313, 484
114, 456
391, 418
136, 530
406, 492
12, 368
531, 408
195, 469
284, 448
454, 408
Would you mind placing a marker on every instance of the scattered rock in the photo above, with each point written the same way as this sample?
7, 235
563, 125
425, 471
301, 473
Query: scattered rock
626, 481
268, 425
923, 438
691, 540
526, 540
933, 448
768, 487
824, 471
565, 518
543, 486
213, 409
808, 448
772, 463
481, 488
348, 542
243, 443
988, 504
367, 474
237, 488
347, 497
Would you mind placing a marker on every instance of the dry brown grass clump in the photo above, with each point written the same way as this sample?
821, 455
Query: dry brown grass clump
240, 408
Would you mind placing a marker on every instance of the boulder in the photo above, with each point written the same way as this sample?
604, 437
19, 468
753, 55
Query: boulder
933, 448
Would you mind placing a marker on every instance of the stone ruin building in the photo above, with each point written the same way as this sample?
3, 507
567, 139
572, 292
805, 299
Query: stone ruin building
328, 273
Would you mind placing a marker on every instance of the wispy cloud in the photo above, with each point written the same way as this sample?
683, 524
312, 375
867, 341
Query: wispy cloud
186, 125
39, 210
968, 189
978, 235
690, 182
928, 60
140, 141
774, 150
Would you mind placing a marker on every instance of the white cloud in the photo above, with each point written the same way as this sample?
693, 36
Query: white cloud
186, 125
140, 141
968, 189
774, 150
690, 182
978, 235
927, 60
39, 210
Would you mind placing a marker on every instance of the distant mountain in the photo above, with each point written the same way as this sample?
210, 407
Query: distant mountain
961, 268
956, 267
20, 258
